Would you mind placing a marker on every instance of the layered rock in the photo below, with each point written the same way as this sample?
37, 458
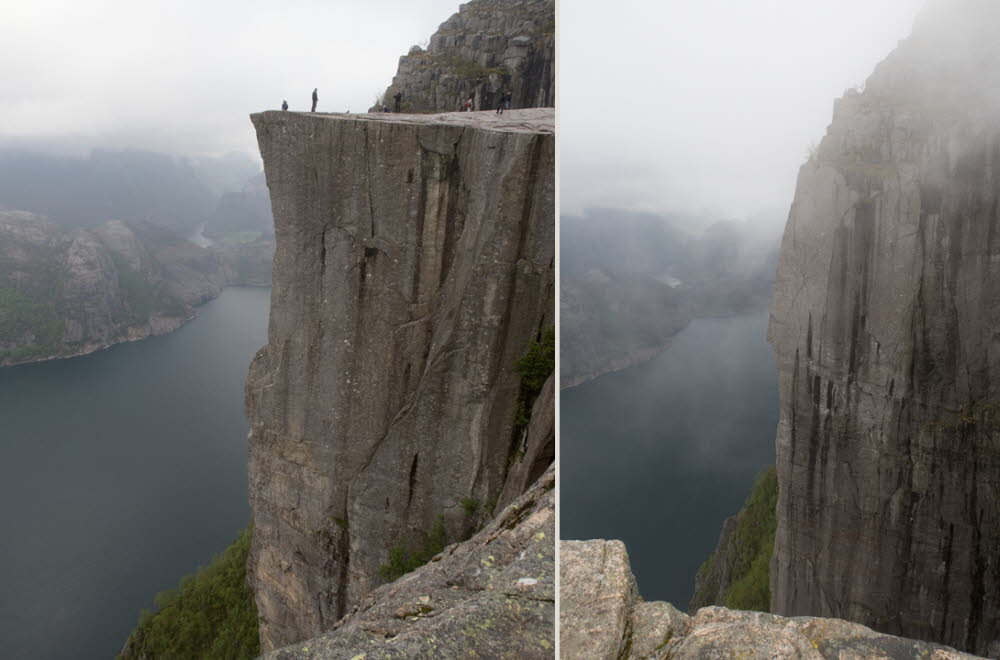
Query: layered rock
602, 617
487, 47
884, 326
414, 266
492, 596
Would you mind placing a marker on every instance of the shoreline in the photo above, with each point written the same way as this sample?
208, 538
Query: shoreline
166, 328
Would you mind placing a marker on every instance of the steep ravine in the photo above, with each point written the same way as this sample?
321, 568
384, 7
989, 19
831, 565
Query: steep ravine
414, 266
884, 327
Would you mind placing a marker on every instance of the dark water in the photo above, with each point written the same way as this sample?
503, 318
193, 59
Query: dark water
660, 454
120, 472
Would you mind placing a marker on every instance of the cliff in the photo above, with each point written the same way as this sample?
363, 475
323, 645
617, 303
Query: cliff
414, 267
602, 617
70, 292
487, 47
883, 324
492, 596
736, 573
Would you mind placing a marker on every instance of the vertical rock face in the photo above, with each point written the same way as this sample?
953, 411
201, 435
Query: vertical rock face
414, 266
488, 46
885, 328
492, 596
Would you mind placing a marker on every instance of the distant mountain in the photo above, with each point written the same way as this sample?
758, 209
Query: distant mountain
631, 281
75, 191
242, 216
66, 292
84, 192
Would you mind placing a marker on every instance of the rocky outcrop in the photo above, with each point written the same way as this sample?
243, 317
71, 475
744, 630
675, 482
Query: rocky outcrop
487, 47
603, 618
492, 596
884, 326
414, 266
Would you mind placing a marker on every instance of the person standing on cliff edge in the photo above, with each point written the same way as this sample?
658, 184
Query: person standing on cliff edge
315, 98
284, 105
398, 97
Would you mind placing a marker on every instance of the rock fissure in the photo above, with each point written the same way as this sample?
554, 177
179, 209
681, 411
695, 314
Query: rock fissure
886, 286
363, 380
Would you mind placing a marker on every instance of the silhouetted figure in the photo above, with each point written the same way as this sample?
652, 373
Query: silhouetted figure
506, 99
398, 96
385, 108
284, 105
315, 99
470, 104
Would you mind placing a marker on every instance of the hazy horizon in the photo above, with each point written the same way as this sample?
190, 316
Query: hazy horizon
183, 77
707, 108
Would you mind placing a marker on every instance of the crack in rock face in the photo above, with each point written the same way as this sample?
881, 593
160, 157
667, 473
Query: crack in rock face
883, 324
413, 268
469, 601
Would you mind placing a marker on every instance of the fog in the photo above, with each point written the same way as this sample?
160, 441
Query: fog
707, 107
182, 76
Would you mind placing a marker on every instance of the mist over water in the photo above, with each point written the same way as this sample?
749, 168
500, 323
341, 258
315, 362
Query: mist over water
120, 472
658, 455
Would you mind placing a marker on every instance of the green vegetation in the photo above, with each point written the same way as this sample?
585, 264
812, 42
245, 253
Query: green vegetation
470, 505
538, 363
210, 615
403, 560
534, 367
30, 311
748, 552
143, 298
468, 68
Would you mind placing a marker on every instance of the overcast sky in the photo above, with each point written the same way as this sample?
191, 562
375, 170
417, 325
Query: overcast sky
673, 105
182, 76
684, 105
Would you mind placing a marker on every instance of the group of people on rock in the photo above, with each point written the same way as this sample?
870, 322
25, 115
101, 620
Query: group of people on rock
315, 99
503, 102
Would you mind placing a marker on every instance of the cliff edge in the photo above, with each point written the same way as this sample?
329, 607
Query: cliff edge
413, 268
602, 617
884, 327
492, 596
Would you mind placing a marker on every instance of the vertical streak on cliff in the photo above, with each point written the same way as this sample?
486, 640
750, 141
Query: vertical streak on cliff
414, 265
886, 299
